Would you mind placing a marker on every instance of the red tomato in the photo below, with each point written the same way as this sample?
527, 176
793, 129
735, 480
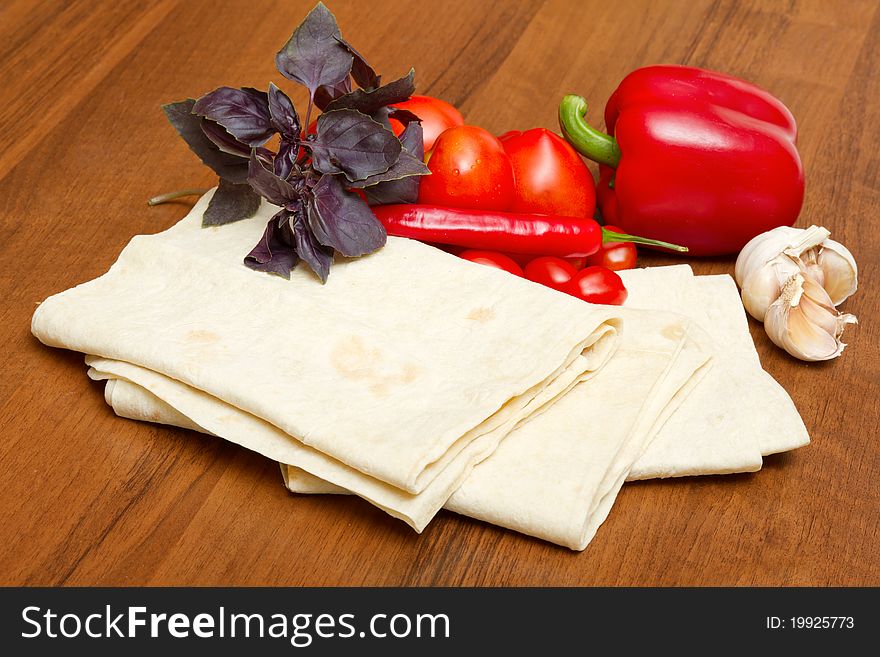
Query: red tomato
598, 285
469, 169
551, 178
549, 271
492, 259
436, 115
615, 255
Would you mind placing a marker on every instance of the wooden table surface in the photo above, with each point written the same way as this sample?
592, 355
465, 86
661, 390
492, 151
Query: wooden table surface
89, 498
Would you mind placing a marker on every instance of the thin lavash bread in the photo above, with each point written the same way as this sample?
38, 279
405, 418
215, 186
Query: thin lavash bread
402, 372
549, 478
697, 443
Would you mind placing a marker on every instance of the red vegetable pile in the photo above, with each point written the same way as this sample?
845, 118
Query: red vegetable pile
524, 199
691, 156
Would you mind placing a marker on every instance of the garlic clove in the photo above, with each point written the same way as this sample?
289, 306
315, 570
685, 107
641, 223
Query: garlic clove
804, 322
841, 275
816, 307
763, 285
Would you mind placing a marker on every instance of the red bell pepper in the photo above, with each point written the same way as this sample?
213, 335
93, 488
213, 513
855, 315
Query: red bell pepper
697, 158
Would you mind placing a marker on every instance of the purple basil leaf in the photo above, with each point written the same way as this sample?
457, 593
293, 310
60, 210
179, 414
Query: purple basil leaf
312, 252
231, 167
223, 140
364, 74
229, 144
341, 220
274, 254
354, 144
404, 116
244, 113
328, 93
406, 166
313, 56
230, 203
256, 93
268, 185
405, 190
413, 139
283, 114
286, 158
369, 102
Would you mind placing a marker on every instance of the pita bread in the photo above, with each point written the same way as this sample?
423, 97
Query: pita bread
402, 372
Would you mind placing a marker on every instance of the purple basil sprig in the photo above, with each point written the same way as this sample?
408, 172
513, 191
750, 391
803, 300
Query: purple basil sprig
311, 177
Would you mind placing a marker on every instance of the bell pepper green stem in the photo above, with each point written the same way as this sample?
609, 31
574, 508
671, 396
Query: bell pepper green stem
586, 140
611, 236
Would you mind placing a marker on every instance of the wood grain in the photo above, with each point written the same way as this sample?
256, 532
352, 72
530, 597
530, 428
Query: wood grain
93, 499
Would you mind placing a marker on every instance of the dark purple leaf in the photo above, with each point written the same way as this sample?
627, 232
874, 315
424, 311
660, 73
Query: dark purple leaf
353, 143
370, 102
231, 203
406, 166
274, 254
244, 113
341, 220
313, 56
223, 140
405, 190
261, 96
283, 114
315, 255
361, 71
328, 93
402, 115
413, 139
233, 168
268, 185
285, 159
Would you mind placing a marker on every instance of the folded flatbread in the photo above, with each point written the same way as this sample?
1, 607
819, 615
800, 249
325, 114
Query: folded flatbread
668, 403
392, 380
738, 412
734, 416
555, 476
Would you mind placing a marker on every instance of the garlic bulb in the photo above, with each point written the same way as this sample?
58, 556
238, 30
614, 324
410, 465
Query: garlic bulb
804, 321
769, 261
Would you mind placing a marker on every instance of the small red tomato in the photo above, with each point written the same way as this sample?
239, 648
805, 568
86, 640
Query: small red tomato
492, 259
598, 285
615, 255
469, 169
436, 115
551, 178
550, 271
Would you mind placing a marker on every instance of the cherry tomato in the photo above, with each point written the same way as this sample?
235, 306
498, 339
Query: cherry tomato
551, 178
492, 259
598, 285
615, 255
550, 271
469, 169
436, 115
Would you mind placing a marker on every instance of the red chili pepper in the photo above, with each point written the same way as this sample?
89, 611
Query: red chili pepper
492, 230
697, 158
